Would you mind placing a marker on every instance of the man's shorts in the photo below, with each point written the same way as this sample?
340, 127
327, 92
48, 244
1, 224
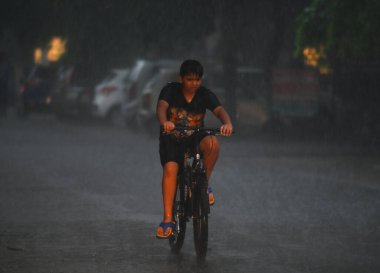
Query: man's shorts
173, 150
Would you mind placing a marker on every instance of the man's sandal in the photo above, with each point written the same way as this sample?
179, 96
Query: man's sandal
167, 228
211, 198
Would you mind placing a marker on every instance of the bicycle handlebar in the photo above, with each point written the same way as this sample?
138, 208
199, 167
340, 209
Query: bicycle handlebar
184, 129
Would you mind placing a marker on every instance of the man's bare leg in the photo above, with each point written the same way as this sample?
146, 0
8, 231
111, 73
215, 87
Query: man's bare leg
210, 150
169, 183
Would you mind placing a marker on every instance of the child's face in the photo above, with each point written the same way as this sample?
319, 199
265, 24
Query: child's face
191, 82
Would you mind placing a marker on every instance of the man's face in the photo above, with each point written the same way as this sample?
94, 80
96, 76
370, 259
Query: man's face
191, 83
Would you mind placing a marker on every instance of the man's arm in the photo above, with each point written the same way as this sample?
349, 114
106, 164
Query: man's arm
227, 128
161, 109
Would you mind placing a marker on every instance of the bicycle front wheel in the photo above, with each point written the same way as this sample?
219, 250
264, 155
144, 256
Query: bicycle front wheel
179, 214
200, 222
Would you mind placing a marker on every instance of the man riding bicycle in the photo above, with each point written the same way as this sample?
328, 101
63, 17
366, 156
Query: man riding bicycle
184, 103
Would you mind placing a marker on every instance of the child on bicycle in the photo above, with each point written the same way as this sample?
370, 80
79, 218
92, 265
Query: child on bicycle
184, 103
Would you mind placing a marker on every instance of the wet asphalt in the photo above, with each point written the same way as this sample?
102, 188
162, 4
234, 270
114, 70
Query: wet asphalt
85, 197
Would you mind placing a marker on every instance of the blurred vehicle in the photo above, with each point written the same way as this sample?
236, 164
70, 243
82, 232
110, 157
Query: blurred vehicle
8, 96
141, 73
146, 112
73, 94
36, 92
109, 95
250, 92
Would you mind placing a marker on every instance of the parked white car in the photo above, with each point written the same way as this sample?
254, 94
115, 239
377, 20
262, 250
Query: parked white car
109, 96
142, 72
146, 113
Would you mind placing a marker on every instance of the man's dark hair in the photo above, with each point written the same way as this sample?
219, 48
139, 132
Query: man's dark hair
191, 67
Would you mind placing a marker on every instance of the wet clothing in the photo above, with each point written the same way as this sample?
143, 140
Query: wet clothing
173, 150
183, 113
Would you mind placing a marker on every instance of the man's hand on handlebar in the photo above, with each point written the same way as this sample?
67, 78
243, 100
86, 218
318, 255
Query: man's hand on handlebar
168, 126
226, 129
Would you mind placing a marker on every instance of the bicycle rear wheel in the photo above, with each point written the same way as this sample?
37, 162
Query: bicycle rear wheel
179, 214
200, 220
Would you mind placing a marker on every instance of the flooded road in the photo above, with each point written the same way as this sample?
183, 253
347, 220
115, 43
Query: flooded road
85, 197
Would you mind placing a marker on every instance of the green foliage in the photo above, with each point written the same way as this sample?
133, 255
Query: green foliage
347, 29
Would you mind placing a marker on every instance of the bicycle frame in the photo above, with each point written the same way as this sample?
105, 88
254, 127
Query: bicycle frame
191, 197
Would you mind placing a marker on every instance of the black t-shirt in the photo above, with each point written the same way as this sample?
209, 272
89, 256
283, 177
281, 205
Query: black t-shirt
183, 113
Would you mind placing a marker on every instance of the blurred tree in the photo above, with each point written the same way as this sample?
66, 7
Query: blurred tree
230, 47
347, 33
346, 29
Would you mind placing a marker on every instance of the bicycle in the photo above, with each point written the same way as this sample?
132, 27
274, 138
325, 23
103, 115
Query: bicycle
191, 198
